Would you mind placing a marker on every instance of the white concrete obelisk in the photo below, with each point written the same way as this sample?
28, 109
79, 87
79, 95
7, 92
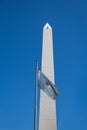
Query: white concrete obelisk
47, 114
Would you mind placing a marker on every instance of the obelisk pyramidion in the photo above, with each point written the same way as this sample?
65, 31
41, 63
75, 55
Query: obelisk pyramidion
47, 113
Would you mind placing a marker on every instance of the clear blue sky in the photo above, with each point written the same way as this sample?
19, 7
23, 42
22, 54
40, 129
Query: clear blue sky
21, 23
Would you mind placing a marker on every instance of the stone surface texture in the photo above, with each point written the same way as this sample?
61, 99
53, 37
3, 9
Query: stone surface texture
47, 112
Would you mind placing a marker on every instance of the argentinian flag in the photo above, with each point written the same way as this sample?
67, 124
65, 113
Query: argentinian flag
46, 85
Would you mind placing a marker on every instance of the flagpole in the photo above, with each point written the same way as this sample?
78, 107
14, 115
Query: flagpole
35, 102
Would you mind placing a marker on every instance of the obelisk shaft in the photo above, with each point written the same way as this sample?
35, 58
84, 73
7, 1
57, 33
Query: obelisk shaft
47, 115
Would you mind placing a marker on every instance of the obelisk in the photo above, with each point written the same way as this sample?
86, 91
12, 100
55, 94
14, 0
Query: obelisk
47, 112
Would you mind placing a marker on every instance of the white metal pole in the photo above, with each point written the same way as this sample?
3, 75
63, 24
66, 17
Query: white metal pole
35, 102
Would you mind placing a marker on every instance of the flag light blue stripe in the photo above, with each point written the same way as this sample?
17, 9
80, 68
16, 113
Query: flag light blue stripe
46, 85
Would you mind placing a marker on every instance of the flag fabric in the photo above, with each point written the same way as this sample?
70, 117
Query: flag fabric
46, 85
